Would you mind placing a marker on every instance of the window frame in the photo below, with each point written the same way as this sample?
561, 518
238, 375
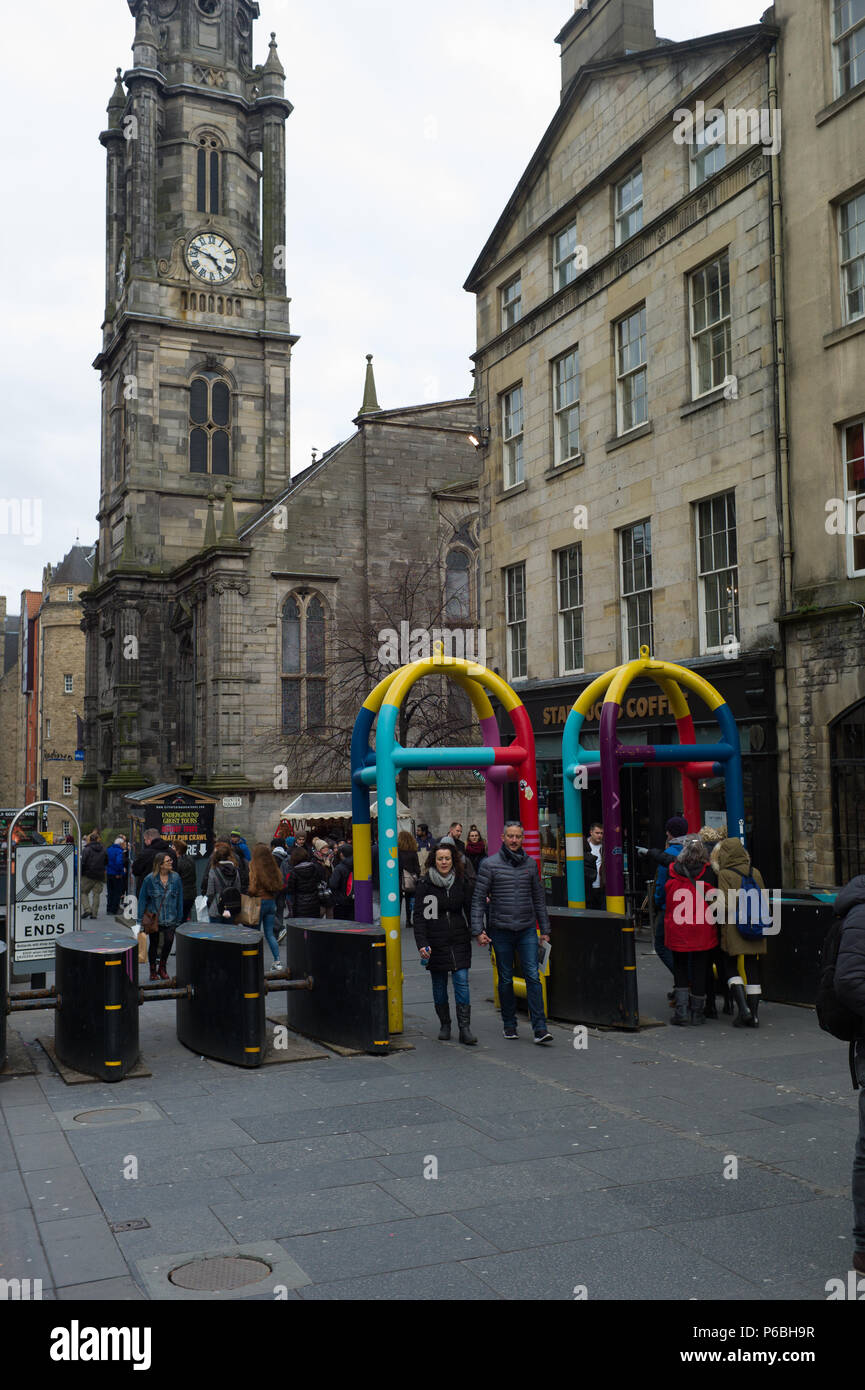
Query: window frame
636, 593
855, 498
67, 791
562, 613
209, 427
511, 310
837, 40
859, 259
566, 263
68, 684
512, 444
698, 153
725, 319
516, 627
631, 372
209, 176
705, 576
305, 676
560, 411
635, 208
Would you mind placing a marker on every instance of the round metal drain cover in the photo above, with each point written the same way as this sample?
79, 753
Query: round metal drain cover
112, 1116
219, 1273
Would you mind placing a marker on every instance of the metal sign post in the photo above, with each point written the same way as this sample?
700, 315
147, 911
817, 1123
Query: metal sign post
47, 894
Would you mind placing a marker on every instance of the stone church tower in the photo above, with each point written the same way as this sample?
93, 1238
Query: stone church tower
194, 367
224, 588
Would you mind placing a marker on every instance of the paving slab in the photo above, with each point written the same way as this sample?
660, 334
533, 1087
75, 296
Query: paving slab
20, 1091
22, 1254
154, 1171
13, 1193
32, 1119
307, 1153
80, 1250
343, 1119
119, 1290
37, 1151
413, 1243
58, 1193
192, 1228
695, 1198
509, 1182
434, 1283
448, 1161
126, 1201
533, 1221
280, 1214
312, 1177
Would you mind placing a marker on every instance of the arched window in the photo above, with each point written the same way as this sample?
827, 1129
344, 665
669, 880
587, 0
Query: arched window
208, 174
209, 424
848, 792
118, 430
458, 587
304, 643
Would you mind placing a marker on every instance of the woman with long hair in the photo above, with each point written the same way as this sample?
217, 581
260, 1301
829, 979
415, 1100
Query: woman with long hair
442, 931
476, 849
408, 864
265, 882
162, 893
223, 882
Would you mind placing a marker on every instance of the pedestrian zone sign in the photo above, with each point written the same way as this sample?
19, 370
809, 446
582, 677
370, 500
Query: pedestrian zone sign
44, 896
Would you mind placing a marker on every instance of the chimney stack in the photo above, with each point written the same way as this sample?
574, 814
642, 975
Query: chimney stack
605, 29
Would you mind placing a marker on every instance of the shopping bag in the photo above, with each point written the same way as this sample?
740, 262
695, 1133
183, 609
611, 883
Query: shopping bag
142, 948
128, 909
250, 910
200, 910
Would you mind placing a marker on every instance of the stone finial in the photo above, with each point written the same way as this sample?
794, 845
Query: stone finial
370, 400
272, 73
229, 525
145, 43
128, 560
210, 523
117, 104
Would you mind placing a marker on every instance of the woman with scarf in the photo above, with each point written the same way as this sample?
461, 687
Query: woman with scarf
442, 907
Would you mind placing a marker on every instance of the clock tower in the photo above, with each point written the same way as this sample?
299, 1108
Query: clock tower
194, 369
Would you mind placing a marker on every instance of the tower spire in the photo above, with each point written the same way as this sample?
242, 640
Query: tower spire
370, 400
117, 104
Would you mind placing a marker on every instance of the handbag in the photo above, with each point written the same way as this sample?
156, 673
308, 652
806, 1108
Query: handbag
150, 919
325, 897
409, 882
250, 910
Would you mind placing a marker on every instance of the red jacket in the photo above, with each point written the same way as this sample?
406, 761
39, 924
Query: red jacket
689, 917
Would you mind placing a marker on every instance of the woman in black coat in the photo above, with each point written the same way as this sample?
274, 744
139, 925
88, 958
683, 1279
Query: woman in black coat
302, 880
442, 932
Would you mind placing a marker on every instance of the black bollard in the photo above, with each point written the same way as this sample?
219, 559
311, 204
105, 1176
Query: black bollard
96, 1019
224, 1018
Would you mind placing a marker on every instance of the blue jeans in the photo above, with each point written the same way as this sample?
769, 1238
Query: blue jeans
859, 1159
440, 986
267, 922
526, 943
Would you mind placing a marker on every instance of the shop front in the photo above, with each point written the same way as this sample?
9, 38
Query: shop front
651, 795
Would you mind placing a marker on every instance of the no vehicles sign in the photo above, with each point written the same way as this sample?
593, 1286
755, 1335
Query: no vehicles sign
44, 900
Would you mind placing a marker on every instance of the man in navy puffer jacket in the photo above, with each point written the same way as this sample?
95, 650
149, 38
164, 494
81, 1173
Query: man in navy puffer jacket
850, 989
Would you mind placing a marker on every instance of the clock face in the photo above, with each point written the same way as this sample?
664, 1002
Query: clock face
211, 257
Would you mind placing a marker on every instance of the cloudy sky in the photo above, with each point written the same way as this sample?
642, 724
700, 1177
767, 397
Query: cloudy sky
412, 124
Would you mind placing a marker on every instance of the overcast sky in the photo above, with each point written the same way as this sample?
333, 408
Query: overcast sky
412, 125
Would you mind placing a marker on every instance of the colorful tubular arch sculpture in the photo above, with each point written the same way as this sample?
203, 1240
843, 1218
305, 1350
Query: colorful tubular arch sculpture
380, 769
695, 760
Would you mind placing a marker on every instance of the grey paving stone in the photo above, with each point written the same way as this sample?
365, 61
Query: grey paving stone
81, 1250
127, 1201
531, 1221
663, 1157
809, 1240
304, 1153
20, 1090
32, 1119
60, 1193
408, 1138
154, 1139
37, 1151
298, 1214
8, 1158
412, 1243
311, 1177
13, 1194
154, 1171
686, 1199
411, 1165
119, 1290
435, 1283
622, 1267
22, 1255
518, 1147
343, 1119
803, 1112
193, 1228
510, 1182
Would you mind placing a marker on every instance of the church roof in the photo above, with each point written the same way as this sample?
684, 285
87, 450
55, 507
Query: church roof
74, 568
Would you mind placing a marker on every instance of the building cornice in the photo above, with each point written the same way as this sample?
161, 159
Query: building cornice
161, 321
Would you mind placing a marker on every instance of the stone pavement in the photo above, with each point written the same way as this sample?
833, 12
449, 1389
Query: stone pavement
561, 1172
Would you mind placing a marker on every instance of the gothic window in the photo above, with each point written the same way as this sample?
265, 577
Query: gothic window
304, 643
209, 424
208, 174
848, 792
458, 587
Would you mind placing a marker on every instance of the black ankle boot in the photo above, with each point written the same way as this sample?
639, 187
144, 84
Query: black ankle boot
444, 1013
745, 1018
464, 1018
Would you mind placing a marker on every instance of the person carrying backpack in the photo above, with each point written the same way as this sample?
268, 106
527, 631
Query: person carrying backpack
849, 985
223, 886
732, 863
690, 930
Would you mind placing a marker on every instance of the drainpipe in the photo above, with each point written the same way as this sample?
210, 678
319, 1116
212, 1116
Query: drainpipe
785, 776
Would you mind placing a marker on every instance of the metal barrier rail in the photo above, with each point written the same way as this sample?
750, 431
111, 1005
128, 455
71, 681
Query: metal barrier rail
151, 993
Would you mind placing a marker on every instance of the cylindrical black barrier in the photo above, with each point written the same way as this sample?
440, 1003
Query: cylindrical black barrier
590, 979
790, 969
96, 1019
2, 1004
348, 1004
225, 1017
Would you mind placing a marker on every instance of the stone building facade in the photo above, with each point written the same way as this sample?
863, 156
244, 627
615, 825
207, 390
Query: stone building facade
822, 95
626, 382
225, 588
9, 686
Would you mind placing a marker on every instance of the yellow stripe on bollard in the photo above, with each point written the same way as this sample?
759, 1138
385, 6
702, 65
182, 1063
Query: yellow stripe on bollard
112, 962
249, 953
252, 996
112, 1064
252, 1049
114, 1006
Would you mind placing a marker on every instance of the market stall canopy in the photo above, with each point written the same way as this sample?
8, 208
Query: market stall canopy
313, 806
